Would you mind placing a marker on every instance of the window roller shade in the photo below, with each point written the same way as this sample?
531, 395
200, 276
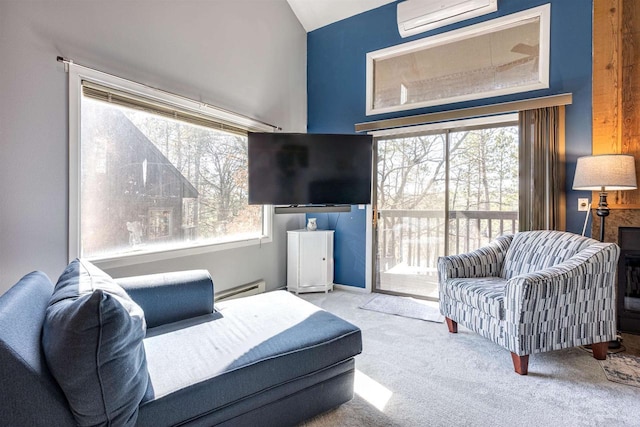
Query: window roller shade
125, 99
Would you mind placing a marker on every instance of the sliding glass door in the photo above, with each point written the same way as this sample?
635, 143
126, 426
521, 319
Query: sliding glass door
411, 212
440, 192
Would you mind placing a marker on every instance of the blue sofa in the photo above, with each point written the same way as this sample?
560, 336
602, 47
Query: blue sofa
270, 359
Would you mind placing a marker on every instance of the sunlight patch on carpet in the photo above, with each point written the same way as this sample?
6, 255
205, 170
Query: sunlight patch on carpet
372, 391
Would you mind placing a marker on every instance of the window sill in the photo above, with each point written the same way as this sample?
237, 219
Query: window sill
143, 257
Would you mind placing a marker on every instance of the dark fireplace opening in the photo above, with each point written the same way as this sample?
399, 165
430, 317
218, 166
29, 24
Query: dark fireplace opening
628, 297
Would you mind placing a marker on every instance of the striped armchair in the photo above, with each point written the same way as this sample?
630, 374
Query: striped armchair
532, 292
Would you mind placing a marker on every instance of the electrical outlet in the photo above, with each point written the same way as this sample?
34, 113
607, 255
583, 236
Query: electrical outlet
583, 204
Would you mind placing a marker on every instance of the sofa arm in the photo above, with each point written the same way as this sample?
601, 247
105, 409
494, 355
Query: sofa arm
577, 294
169, 297
484, 262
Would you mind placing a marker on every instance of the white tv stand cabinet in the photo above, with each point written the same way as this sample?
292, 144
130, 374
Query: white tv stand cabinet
309, 261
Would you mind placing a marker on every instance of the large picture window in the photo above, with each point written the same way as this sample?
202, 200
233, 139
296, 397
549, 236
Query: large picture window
151, 175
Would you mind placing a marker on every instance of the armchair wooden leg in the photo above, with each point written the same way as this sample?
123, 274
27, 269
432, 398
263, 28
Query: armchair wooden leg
452, 325
600, 350
520, 363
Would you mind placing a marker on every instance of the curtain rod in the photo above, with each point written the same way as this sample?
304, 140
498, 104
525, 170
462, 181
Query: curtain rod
68, 62
464, 113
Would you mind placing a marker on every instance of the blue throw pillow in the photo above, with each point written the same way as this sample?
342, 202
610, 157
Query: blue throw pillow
92, 340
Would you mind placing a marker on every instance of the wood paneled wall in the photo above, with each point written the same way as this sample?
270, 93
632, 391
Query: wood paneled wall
616, 101
616, 86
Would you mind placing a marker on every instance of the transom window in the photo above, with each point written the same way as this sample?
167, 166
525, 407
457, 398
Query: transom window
153, 176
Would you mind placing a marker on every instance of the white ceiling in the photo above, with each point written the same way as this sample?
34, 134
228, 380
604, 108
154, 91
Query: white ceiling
314, 14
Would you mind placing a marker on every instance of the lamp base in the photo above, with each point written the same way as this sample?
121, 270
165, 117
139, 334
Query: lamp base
602, 212
615, 344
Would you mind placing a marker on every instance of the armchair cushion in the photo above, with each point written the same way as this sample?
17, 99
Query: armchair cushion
92, 340
483, 293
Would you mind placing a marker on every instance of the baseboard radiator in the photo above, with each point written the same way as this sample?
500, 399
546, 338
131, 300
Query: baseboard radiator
252, 288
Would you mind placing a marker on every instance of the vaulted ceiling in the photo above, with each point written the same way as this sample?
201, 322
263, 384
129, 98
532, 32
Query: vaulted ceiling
314, 14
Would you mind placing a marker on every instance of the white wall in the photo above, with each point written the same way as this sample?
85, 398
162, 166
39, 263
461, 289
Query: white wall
248, 56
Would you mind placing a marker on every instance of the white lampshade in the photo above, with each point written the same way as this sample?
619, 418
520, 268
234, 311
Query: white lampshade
607, 172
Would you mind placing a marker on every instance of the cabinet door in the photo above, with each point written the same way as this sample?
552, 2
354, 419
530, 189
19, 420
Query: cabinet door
313, 259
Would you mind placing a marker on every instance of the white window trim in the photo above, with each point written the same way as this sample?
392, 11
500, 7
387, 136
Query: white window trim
161, 255
77, 74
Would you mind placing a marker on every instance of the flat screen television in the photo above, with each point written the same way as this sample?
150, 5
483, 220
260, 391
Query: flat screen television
309, 169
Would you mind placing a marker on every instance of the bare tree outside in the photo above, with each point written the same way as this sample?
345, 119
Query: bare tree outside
441, 193
186, 183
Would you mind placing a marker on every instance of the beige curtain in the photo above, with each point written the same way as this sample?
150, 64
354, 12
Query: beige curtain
542, 169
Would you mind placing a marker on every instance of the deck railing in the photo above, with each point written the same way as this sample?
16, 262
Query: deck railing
415, 238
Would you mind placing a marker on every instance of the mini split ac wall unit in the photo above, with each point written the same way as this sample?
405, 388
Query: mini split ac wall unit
417, 16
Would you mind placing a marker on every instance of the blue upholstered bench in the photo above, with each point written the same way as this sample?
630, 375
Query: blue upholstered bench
269, 359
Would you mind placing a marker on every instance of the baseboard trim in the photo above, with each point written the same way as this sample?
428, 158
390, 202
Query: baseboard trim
347, 288
352, 289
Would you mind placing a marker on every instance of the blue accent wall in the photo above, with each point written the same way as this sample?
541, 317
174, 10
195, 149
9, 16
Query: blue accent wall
349, 244
336, 65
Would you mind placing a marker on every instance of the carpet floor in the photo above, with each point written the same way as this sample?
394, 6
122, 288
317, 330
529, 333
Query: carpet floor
414, 373
405, 306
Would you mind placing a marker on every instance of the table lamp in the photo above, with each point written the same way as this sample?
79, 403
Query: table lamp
606, 172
